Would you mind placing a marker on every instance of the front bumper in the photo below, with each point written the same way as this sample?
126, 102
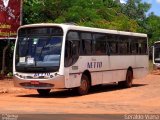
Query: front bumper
56, 82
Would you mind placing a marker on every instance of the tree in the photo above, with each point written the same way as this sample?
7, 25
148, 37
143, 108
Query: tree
135, 9
152, 26
110, 14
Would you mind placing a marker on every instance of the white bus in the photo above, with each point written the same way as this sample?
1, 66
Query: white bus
156, 55
51, 56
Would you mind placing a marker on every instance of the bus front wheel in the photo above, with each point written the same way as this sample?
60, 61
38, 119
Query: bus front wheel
84, 86
43, 92
129, 79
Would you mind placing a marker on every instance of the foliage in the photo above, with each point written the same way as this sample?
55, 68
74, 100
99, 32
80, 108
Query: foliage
135, 9
109, 14
152, 26
10, 74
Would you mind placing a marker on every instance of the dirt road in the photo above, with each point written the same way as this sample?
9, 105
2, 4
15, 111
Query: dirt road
142, 98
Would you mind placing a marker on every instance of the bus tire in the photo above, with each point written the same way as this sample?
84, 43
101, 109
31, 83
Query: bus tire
128, 82
84, 86
43, 92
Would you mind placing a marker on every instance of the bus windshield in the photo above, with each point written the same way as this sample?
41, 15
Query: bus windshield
38, 50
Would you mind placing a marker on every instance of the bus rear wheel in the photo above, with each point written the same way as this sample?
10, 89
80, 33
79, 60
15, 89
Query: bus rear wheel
43, 92
129, 79
84, 86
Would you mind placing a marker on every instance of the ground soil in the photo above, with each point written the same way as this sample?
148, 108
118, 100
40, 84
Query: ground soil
142, 98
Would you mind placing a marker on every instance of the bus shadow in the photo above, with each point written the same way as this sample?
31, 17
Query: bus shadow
53, 94
72, 93
110, 88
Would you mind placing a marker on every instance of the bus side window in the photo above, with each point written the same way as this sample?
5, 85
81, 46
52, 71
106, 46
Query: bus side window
100, 44
86, 47
144, 48
123, 45
112, 44
113, 47
71, 48
133, 46
108, 51
142, 45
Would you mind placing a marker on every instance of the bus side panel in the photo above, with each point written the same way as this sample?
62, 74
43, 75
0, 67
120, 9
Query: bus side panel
119, 65
142, 64
113, 69
97, 78
119, 75
98, 66
122, 62
107, 77
72, 77
94, 64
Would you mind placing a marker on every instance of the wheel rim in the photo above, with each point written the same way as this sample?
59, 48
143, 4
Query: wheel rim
129, 78
84, 86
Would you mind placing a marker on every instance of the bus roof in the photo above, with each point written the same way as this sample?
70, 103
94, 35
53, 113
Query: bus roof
156, 42
88, 29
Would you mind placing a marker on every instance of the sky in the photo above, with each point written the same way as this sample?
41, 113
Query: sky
155, 6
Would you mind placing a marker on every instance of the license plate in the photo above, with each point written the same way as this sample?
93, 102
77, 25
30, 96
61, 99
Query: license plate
35, 82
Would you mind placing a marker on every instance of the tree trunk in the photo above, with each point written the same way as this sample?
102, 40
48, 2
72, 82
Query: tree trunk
4, 59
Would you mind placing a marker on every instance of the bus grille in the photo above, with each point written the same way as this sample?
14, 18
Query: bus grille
38, 84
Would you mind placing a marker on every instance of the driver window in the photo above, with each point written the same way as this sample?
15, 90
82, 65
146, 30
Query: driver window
72, 48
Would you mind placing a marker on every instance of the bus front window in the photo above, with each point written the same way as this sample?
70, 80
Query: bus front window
38, 53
